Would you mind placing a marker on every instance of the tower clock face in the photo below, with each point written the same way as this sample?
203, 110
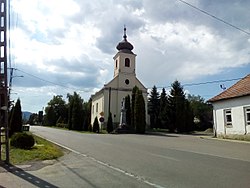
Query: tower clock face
127, 81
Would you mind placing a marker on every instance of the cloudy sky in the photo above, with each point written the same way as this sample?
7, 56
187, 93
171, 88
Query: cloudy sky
64, 46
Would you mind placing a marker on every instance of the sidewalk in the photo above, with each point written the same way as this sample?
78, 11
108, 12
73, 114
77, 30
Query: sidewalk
71, 170
17, 176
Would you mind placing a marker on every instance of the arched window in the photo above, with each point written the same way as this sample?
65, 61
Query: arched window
127, 62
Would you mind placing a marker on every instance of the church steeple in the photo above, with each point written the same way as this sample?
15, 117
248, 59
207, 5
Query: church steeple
124, 59
125, 46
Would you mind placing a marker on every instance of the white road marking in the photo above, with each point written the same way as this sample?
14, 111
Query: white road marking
142, 179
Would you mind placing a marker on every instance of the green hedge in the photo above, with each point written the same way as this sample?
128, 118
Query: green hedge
22, 141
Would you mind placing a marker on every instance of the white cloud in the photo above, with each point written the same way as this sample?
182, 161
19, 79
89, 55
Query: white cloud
72, 42
186, 51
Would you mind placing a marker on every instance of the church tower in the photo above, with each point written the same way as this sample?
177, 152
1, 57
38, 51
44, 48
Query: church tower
109, 98
125, 58
124, 63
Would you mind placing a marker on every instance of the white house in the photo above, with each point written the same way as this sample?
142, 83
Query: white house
109, 98
231, 109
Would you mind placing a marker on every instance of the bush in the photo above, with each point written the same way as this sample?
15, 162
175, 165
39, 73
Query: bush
22, 140
96, 128
110, 127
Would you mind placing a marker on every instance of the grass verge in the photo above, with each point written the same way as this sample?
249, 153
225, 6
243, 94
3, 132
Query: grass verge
43, 150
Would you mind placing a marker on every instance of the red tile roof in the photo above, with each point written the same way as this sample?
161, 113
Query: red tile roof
241, 88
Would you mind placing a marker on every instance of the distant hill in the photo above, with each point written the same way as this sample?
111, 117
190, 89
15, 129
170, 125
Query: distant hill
26, 115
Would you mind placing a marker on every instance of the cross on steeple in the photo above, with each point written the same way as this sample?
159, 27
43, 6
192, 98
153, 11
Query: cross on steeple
125, 36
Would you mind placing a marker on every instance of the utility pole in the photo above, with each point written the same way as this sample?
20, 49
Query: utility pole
4, 128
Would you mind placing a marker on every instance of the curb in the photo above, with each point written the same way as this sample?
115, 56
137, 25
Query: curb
225, 139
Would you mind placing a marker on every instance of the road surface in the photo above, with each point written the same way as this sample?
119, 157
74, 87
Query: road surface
159, 161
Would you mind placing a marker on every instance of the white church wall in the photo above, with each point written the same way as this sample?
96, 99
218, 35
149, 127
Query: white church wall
97, 107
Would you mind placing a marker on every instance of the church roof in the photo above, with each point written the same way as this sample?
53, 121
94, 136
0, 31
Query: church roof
239, 89
125, 46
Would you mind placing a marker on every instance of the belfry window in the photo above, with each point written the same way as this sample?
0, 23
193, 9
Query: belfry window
127, 62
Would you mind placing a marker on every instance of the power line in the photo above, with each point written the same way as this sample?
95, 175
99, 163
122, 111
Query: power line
57, 84
215, 17
211, 82
186, 85
205, 83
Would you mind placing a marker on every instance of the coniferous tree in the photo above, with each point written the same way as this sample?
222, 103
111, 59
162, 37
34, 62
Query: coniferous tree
110, 127
87, 115
128, 111
75, 112
153, 108
134, 92
163, 108
180, 114
96, 127
139, 113
16, 118
177, 101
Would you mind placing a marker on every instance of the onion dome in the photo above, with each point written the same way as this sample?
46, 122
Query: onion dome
125, 46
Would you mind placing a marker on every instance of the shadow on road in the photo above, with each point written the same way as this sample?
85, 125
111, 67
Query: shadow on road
27, 176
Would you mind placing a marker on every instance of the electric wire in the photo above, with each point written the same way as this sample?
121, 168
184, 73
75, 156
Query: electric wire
211, 82
53, 83
184, 85
204, 83
215, 17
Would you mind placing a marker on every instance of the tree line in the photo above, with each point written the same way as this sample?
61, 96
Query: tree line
73, 114
76, 114
175, 111
178, 112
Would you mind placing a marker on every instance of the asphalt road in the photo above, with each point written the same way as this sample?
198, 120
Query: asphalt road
157, 161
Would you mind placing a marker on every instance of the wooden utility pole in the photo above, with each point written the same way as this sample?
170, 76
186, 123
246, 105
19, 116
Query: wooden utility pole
4, 128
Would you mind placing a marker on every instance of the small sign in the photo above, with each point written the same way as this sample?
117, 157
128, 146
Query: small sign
101, 119
102, 114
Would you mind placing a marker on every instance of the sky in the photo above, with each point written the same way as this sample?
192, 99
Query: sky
58, 47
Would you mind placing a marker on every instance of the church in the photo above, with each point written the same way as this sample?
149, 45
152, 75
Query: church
110, 97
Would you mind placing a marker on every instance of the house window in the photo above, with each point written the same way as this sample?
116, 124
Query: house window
127, 62
96, 107
247, 115
228, 118
116, 63
93, 110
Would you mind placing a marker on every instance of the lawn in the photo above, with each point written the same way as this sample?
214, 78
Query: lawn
43, 150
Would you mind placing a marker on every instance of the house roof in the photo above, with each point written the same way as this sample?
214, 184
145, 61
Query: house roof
239, 89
